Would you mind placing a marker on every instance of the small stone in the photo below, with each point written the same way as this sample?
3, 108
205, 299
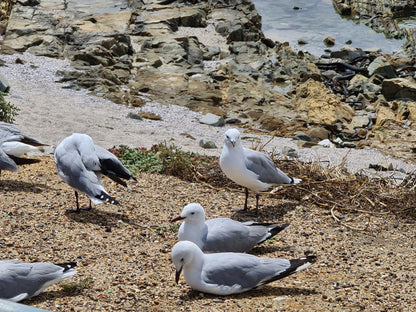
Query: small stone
302, 136
134, 116
329, 41
212, 120
207, 144
232, 121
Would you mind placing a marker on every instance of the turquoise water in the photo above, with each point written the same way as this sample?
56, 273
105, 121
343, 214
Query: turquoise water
313, 22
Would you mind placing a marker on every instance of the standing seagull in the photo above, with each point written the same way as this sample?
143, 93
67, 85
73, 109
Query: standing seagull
229, 273
222, 234
81, 164
251, 169
20, 280
13, 144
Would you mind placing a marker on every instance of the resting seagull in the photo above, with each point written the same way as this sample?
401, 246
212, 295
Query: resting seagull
222, 234
20, 280
249, 168
13, 144
81, 164
229, 273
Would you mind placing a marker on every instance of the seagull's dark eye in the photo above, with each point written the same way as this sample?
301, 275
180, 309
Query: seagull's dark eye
192, 213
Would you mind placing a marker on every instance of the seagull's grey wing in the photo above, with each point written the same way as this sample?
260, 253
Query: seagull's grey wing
245, 270
226, 235
19, 278
9, 132
265, 168
112, 167
72, 170
6, 163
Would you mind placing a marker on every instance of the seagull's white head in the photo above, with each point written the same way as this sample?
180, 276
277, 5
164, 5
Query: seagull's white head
192, 213
183, 254
232, 137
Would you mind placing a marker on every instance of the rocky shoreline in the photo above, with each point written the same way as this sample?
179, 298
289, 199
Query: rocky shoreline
212, 57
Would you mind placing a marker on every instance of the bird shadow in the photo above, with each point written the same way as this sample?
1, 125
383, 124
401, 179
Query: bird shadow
102, 218
193, 295
20, 186
265, 212
50, 295
262, 249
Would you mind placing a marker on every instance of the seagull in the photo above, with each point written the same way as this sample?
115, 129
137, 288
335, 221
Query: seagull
20, 280
13, 144
229, 273
249, 168
222, 234
81, 164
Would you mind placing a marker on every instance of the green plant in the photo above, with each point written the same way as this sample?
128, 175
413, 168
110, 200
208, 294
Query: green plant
138, 160
7, 111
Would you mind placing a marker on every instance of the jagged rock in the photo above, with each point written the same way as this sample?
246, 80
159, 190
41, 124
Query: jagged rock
317, 105
399, 88
4, 84
384, 114
381, 67
360, 83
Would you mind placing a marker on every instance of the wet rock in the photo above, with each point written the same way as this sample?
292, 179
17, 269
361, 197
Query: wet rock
329, 41
397, 88
212, 120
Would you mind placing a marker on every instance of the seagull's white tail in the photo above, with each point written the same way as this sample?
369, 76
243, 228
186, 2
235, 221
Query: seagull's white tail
296, 181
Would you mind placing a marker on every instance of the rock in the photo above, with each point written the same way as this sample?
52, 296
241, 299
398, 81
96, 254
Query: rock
384, 114
329, 41
290, 152
381, 67
149, 115
318, 133
4, 84
207, 144
360, 83
305, 144
134, 116
326, 143
317, 105
398, 88
348, 53
212, 120
302, 41
232, 121
359, 122
302, 136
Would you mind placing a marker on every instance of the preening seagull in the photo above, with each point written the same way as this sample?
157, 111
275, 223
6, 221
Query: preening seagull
20, 280
13, 144
81, 164
222, 234
249, 168
229, 273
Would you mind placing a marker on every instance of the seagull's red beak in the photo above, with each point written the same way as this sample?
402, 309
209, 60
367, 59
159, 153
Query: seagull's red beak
177, 219
178, 274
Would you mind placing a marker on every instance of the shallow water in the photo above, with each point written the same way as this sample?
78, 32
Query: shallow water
313, 22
